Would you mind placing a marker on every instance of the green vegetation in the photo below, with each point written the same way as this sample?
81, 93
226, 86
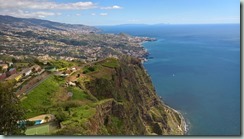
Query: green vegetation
104, 72
61, 64
89, 69
100, 67
114, 97
6, 57
40, 97
10, 112
50, 68
73, 42
84, 111
75, 124
38, 130
115, 126
78, 94
21, 65
111, 63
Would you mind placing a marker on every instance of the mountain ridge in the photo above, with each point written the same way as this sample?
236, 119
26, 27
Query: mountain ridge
16, 22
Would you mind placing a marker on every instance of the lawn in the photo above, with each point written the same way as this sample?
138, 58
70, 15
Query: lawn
38, 130
41, 96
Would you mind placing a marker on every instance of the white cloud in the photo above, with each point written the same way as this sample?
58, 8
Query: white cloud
113, 7
103, 14
45, 8
44, 5
28, 14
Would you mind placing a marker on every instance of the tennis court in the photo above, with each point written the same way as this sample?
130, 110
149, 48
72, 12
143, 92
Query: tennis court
38, 130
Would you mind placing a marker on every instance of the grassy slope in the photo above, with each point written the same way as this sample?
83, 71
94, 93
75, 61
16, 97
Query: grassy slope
41, 97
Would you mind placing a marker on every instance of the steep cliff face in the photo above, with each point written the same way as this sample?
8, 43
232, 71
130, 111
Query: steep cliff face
127, 104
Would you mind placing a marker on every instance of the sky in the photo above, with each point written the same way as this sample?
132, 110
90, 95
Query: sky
116, 12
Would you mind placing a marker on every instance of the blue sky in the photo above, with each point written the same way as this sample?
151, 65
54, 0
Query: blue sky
114, 12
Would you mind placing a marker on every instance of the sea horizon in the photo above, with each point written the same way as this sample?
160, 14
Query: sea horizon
192, 67
164, 24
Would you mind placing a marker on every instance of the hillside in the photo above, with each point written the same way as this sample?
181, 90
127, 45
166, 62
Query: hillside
72, 80
45, 39
32, 23
111, 97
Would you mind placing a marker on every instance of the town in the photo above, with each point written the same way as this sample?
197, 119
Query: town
71, 43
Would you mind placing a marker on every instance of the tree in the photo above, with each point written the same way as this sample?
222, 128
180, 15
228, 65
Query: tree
11, 113
1, 69
46, 118
14, 60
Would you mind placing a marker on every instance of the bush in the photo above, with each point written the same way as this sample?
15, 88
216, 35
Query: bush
89, 69
61, 116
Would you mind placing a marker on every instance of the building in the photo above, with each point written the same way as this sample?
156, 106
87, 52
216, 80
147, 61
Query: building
26, 72
10, 64
15, 77
36, 68
18, 77
4, 66
11, 71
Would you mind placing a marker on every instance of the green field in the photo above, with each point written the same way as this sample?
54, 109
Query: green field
38, 130
41, 97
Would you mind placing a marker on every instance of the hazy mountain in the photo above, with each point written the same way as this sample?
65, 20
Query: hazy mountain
13, 22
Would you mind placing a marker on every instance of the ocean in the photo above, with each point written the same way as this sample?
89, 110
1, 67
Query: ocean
196, 70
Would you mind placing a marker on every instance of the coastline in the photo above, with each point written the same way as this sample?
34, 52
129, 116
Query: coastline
183, 125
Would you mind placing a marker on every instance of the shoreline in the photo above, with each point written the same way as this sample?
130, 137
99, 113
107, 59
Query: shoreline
183, 124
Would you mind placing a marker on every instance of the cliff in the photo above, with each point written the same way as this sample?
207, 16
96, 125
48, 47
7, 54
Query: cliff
125, 103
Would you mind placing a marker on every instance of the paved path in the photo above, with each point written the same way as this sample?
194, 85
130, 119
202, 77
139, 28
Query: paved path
42, 117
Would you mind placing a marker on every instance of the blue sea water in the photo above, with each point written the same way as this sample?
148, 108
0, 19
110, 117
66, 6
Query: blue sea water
196, 69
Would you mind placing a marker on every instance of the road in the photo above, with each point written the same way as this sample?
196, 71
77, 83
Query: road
32, 84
